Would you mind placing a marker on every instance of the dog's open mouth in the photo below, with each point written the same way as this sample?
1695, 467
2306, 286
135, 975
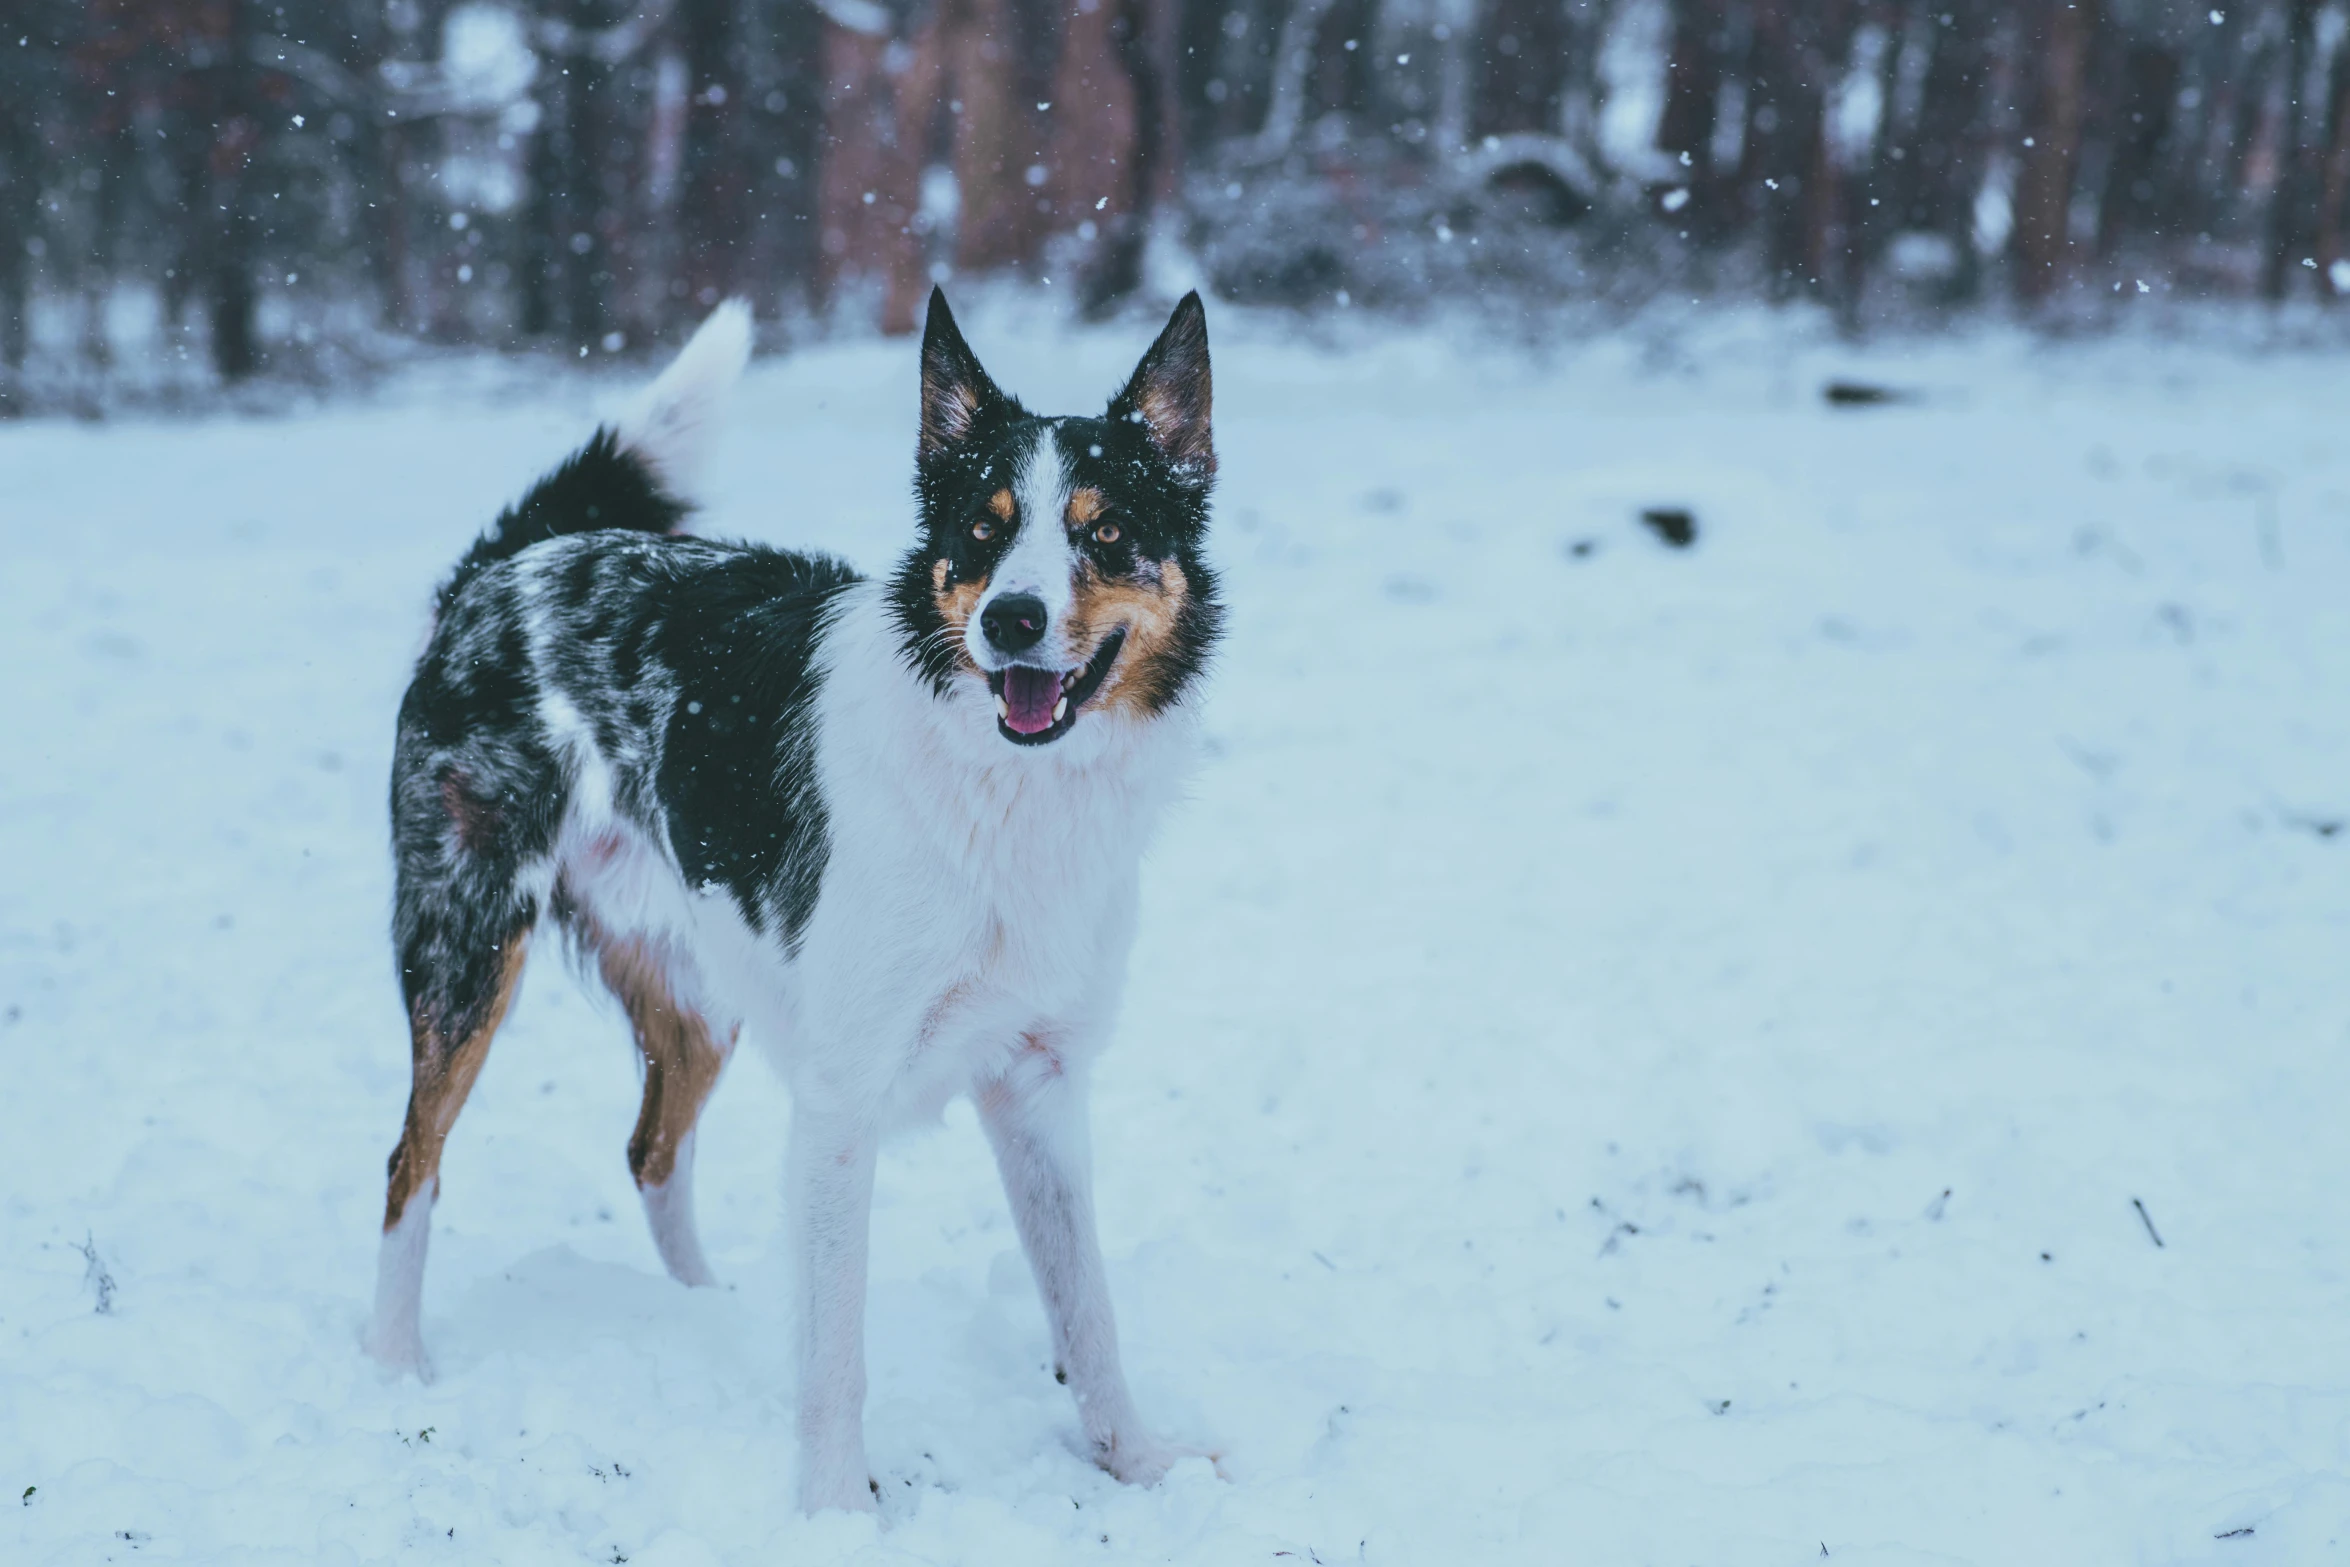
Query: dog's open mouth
1034, 706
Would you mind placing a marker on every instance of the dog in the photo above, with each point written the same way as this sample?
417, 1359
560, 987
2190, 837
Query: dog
892, 827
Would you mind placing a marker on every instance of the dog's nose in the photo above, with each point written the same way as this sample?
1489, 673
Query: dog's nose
1015, 622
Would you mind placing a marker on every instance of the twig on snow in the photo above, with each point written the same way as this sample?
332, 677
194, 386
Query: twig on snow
95, 1276
2148, 1220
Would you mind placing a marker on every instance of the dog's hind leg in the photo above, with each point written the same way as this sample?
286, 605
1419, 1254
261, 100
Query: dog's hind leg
682, 1063
469, 837
1035, 1116
453, 1010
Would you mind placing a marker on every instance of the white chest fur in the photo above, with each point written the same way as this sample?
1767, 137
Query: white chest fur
977, 895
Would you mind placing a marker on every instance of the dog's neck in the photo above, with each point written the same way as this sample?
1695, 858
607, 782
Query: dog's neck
1110, 778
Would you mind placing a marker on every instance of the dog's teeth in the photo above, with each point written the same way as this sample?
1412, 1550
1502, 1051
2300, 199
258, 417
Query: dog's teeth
1060, 710
1003, 709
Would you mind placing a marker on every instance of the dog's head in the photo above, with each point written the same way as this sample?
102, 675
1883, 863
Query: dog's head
1060, 559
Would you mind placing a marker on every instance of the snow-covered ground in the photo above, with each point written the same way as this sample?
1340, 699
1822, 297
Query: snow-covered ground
1633, 1056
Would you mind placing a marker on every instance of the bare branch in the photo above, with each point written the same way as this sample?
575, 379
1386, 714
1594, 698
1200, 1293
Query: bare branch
1541, 148
857, 16
1293, 56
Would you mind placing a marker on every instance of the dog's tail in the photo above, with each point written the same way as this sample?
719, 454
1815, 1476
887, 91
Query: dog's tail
638, 472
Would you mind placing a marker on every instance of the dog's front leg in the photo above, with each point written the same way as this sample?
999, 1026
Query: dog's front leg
1036, 1120
831, 1201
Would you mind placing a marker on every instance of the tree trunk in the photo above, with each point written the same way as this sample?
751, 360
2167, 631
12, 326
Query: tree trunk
587, 264
2044, 189
715, 182
1201, 88
2133, 181
1867, 206
1942, 163
997, 140
918, 103
113, 155
1286, 95
1694, 67
2247, 74
1155, 51
1583, 98
367, 159
869, 187
20, 216
1521, 68
2336, 187
237, 136
542, 213
1144, 36
1098, 126
2290, 222
1338, 80
1786, 169
781, 43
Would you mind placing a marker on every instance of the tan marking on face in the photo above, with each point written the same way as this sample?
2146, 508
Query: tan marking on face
1085, 504
442, 1074
682, 1059
1149, 605
1001, 504
956, 606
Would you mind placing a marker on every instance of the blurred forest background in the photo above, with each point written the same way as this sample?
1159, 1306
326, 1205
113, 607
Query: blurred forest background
215, 188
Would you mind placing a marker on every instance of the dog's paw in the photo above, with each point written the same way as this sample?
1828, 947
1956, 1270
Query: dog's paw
1144, 1460
399, 1352
840, 1494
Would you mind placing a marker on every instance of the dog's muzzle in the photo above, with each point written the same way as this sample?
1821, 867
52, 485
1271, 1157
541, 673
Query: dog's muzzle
1035, 706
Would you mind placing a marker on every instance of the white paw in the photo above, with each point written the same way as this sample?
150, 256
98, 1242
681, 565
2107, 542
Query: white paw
1144, 1460
841, 1493
400, 1352
694, 1274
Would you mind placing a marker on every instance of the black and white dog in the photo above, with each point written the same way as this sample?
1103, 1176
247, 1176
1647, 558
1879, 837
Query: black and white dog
893, 827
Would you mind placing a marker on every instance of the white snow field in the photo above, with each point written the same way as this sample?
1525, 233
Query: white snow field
1646, 1056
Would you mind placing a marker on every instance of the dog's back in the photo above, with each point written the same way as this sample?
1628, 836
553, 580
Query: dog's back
636, 474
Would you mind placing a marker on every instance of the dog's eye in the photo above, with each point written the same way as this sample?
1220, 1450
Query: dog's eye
1107, 533
983, 530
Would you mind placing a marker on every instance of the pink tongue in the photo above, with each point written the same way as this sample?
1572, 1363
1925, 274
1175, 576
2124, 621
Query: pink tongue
1031, 694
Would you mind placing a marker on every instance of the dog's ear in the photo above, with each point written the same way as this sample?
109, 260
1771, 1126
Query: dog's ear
956, 392
1171, 395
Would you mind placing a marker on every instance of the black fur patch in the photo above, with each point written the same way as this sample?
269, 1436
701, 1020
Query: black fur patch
738, 766
599, 486
688, 663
